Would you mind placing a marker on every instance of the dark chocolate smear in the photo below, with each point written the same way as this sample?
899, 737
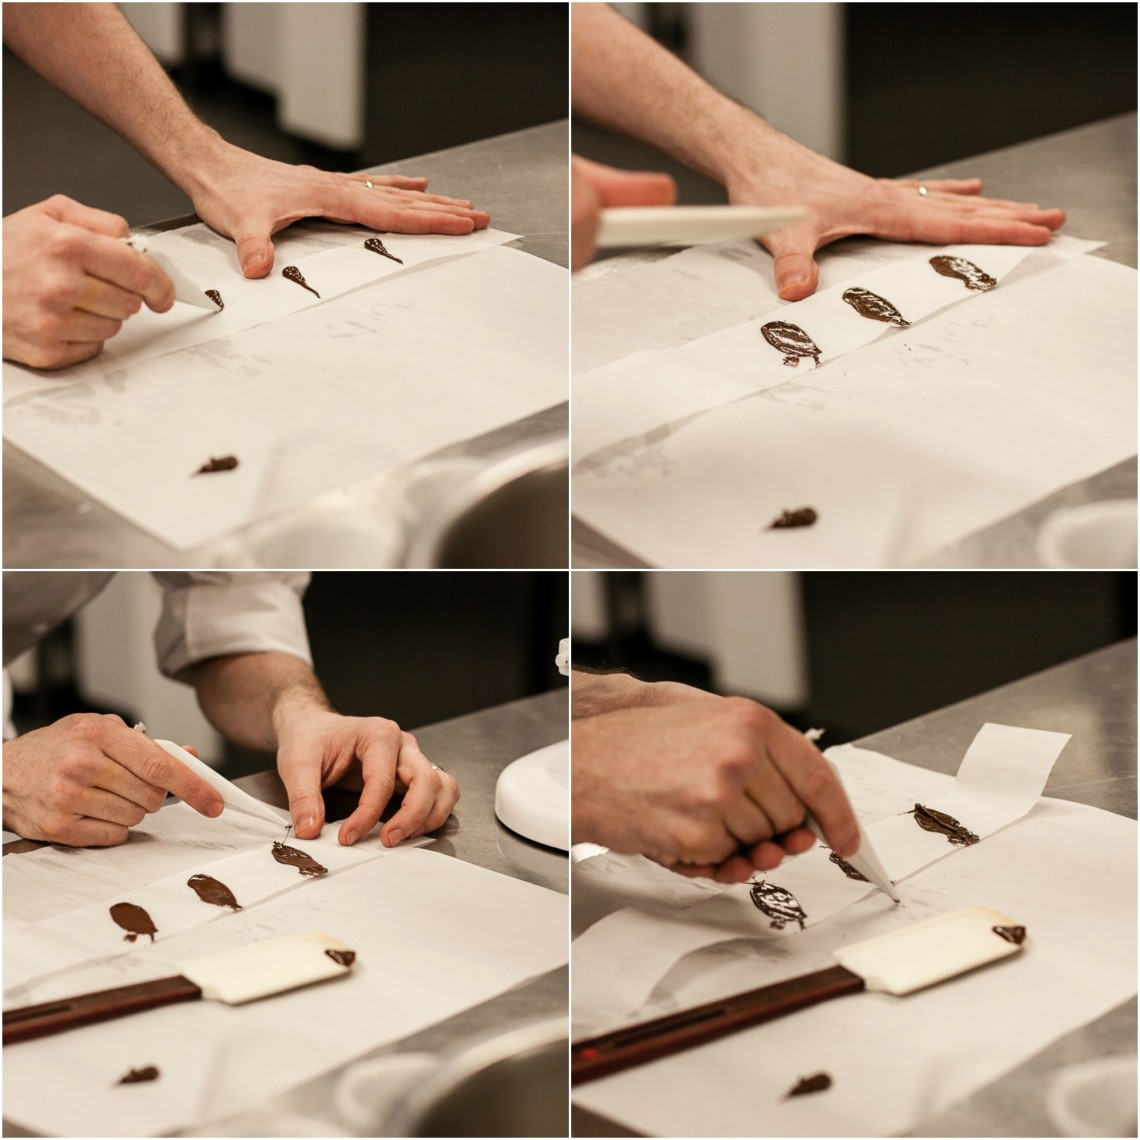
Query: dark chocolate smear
876, 308
1014, 934
221, 463
802, 516
846, 867
779, 905
965, 271
210, 890
291, 857
377, 246
137, 1076
807, 1085
931, 820
134, 920
342, 957
791, 340
216, 297
294, 274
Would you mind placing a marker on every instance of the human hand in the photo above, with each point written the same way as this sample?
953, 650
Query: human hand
715, 786
844, 202
69, 282
249, 198
318, 748
593, 187
86, 779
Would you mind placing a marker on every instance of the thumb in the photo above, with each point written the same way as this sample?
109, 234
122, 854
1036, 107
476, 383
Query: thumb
255, 253
797, 275
305, 803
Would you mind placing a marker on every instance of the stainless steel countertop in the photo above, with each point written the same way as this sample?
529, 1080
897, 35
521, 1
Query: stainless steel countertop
1088, 171
521, 178
475, 749
1094, 698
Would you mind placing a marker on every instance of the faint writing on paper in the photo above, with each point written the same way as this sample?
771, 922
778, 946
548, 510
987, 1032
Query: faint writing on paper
780, 905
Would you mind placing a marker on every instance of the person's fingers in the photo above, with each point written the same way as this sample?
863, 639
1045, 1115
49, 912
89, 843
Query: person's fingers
766, 856
635, 188
302, 779
86, 832
78, 327
95, 803
58, 355
66, 209
797, 275
141, 756
112, 261
796, 841
378, 751
255, 251
425, 787
748, 820
399, 181
942, 185
736, 869
819, 789
106, 300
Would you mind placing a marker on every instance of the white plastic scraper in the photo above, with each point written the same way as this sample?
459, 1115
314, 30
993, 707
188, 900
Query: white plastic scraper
184, 288
652, 225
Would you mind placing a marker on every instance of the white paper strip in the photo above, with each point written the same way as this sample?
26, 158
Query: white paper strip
619, 960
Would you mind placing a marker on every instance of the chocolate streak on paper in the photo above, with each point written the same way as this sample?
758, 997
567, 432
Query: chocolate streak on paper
137, 1076
134, 920
806, 1085
876, 308
291, 857
931, 820
377, 246
342, 957
965, 271
791, 340
846, 867
209, 890
294, 274
803, 516
779, 905
1014, 934
216, 297
222, 463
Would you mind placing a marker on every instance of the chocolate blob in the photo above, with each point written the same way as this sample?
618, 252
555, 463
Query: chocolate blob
965, 271
210, 890
137, 1076
134, 920
802, 516
807, 1085
874, 307
1014, 934
291, 857
846, 867
294, 274
377, 246
221, 463
216, 297
791, 340
343, 958
779, 905
930, 820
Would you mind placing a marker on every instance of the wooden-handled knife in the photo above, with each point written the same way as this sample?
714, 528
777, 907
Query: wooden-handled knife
899, 963
231, 976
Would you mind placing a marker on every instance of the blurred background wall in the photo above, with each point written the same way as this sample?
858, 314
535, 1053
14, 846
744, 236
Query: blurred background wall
341, 86
898, 87
418, 647
852, 652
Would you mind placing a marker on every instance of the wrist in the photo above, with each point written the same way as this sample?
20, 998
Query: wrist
194, 159
592, 694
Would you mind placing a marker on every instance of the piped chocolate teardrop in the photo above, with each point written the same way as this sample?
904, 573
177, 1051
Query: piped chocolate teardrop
377, 246
780, 905
210, 890
802, 516
929, 819
817, 1083
304, 863
965, 271
138, 1076
874, 307
134, 920
791, 340
216, 297
294, 274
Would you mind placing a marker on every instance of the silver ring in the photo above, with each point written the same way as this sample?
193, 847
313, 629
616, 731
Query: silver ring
922, 191
369, 185
437, 768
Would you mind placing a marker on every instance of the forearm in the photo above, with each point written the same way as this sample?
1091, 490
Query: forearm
625, 81
93, 55
248, 697
594, 693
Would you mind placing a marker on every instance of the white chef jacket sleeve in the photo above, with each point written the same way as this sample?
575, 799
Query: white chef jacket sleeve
211, 613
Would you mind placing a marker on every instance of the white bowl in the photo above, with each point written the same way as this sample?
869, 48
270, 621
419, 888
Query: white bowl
1097, 535
1097, 1098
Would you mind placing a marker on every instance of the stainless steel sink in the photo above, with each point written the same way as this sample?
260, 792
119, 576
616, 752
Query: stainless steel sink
515, 1083
512, 513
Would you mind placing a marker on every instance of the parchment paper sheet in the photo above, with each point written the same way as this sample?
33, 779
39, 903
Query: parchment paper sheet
906, 444
433, 936
1065, 871
334, 393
